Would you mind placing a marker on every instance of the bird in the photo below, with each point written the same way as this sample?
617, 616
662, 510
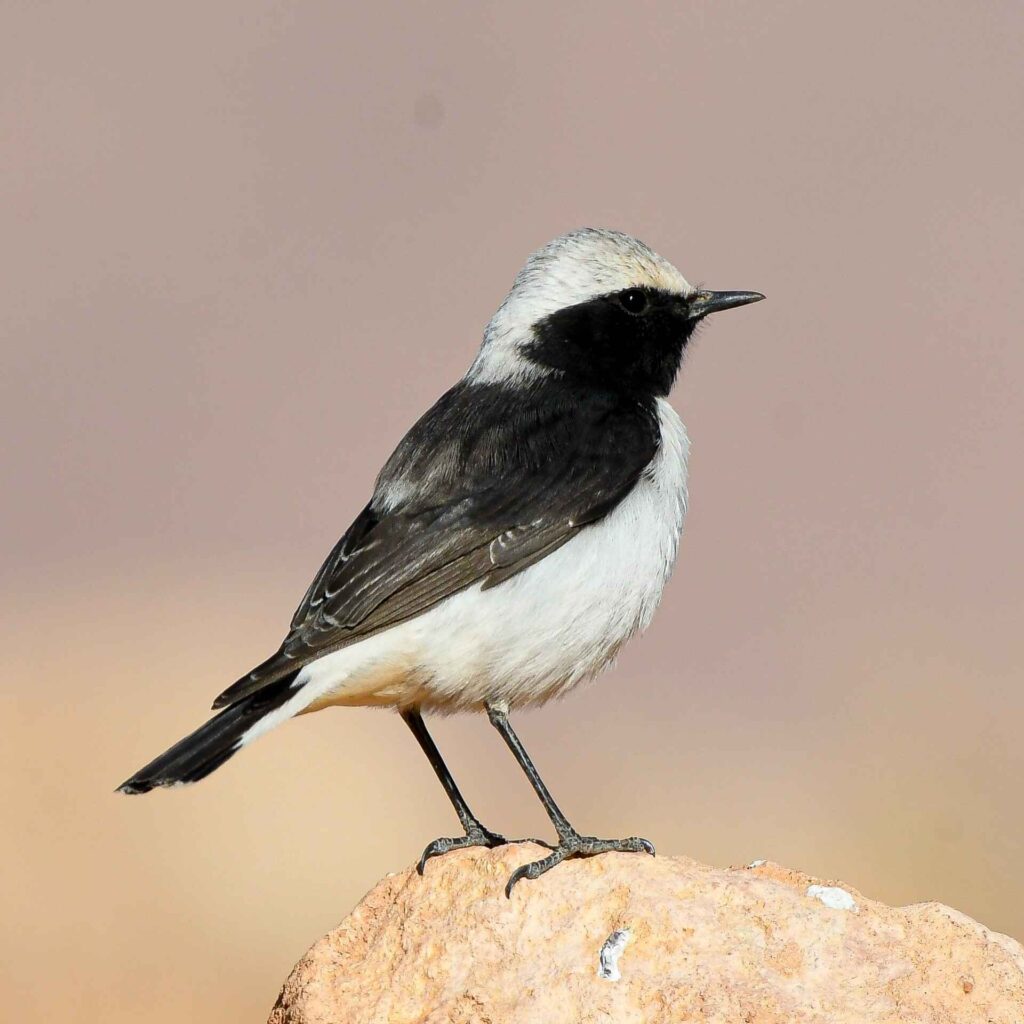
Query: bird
520, 533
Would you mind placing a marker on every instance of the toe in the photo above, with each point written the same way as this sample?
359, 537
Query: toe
434, 849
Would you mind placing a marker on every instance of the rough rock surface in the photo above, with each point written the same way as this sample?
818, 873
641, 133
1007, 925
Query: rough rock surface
681, 942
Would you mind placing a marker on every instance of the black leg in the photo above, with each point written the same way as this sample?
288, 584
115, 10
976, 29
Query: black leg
476, 834
570, 842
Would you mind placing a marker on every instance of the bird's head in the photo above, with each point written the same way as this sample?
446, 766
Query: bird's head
600, 307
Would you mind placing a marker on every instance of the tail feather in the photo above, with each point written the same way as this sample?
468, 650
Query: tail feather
206, 749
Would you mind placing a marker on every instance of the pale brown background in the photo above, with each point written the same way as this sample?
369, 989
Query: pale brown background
245, 244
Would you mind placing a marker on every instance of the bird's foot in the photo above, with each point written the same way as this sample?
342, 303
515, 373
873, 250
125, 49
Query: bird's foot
475, 836
574, 845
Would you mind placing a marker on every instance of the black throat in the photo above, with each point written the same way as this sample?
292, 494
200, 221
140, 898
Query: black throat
630, 341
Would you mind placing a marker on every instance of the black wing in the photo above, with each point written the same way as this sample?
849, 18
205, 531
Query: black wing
488, 482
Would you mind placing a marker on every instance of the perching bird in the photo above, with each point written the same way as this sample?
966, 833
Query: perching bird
520, 534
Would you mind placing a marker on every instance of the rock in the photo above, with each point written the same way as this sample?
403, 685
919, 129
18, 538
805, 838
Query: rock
627, 938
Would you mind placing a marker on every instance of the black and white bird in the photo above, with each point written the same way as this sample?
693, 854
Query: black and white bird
520, 534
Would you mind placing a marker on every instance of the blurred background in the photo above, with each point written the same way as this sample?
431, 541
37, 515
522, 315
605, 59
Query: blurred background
245, 244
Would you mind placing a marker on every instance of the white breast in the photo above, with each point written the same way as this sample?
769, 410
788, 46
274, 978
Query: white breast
534, 636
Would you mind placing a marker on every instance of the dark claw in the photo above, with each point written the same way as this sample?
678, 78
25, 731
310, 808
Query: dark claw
576, 846
513, 878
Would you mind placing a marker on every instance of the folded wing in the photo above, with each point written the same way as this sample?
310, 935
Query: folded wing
485, 485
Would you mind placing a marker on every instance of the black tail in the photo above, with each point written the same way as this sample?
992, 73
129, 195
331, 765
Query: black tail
206, 749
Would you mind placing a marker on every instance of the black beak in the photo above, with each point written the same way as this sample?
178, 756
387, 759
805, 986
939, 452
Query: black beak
702, 303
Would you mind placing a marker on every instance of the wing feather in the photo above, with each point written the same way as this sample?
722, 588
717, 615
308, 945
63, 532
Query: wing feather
496, 510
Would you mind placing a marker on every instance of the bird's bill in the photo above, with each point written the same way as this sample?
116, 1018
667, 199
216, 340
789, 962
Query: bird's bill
703, 303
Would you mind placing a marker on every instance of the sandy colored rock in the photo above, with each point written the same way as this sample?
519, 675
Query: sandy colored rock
694, 943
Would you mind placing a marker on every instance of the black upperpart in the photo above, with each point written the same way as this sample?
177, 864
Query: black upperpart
630, 340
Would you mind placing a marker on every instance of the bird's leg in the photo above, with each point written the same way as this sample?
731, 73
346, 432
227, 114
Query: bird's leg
570, 842
476, 833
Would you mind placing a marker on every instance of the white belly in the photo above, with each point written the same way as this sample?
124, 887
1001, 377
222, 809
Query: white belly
534, 636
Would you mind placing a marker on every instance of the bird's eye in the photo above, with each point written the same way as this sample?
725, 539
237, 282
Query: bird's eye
634, 301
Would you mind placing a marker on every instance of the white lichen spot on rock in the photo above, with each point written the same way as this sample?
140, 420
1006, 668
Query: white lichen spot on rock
608, 959
832, 896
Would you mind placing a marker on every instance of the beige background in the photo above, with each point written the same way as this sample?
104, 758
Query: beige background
245, 244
